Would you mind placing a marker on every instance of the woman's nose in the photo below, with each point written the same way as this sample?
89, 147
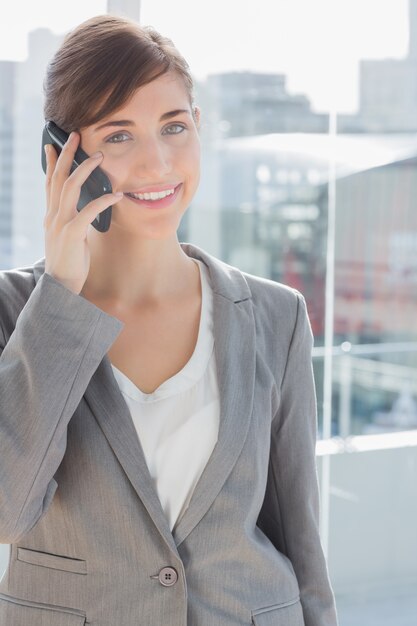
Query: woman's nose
152, 159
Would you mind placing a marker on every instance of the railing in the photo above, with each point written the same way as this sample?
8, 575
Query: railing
376, 382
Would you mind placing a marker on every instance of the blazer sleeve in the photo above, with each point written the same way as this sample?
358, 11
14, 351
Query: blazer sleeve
45, 366
290, 512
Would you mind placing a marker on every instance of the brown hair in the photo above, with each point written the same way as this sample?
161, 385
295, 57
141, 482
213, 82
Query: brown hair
100, 64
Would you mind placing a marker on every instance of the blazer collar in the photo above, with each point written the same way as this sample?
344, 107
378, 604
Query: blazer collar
226, 280
235, 354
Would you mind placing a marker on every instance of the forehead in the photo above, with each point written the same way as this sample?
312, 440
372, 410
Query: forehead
166, 90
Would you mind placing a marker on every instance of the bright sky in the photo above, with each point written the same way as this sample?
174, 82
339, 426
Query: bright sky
317, 43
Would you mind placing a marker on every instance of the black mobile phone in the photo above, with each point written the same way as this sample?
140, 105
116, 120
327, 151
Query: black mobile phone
96, 184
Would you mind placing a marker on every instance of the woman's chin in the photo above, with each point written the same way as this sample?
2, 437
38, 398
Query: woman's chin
158, 229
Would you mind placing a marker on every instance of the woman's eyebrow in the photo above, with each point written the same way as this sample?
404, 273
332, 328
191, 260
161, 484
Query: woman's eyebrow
163, 117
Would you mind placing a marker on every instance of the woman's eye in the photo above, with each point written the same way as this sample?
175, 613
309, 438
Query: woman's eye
116, 138
180, 126
122, 137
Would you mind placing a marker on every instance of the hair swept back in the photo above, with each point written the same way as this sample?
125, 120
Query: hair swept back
100, 64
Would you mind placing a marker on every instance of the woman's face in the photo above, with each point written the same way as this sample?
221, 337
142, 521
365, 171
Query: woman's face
143, 149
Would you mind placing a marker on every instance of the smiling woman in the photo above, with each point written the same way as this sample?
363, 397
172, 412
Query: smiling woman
157, 414
151, 153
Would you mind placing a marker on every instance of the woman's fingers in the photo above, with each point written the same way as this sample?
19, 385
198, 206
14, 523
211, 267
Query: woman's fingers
87, 215
63, 188
61, 171
51, 159
70, 191
67, 254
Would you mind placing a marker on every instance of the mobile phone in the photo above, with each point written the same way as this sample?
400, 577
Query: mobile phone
96, 184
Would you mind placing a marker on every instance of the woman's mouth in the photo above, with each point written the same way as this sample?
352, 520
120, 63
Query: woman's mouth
155, 202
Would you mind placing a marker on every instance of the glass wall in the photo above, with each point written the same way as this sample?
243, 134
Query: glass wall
309, 177
309, 173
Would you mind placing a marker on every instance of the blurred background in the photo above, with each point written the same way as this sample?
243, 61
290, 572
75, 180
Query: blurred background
309, 170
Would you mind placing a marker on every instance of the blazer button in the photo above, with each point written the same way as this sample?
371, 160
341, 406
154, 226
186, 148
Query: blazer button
168, 576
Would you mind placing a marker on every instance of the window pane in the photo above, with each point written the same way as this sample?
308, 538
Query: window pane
309, 164
308, 178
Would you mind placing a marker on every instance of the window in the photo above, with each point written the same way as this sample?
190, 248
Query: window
309, 177
310, 158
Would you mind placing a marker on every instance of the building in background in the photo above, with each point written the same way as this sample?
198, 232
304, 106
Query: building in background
29, 204
387, 91
272, 199
253, 103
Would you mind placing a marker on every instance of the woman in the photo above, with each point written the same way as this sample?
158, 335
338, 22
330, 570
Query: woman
157, 409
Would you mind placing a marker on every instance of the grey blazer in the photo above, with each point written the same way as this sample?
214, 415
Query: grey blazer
90, 543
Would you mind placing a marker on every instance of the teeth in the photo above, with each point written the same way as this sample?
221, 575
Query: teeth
153, 195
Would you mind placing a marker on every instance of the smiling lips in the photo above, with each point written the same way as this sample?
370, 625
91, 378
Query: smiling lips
155, 199
153, 195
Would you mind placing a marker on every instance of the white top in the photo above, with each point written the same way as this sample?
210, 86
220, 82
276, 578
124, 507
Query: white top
178, 423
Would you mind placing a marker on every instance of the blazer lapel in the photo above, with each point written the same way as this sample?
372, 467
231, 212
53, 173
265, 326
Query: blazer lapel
235, 354
113, 416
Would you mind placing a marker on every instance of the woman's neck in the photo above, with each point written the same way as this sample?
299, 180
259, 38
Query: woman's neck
129, 273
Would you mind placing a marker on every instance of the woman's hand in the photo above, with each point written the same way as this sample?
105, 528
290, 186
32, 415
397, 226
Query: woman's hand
67, 255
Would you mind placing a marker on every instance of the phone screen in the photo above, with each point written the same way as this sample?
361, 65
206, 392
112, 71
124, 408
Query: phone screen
96, 184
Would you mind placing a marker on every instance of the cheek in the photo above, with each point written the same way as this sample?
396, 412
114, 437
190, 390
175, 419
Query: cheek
115, 171
193, 156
